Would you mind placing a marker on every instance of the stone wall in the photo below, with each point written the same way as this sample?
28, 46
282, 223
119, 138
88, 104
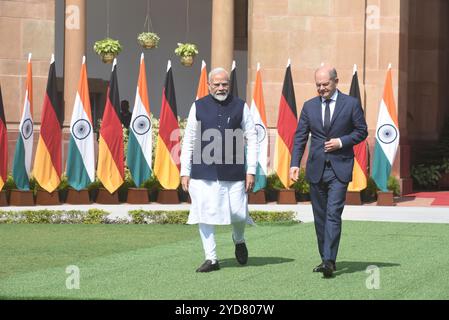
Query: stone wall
25, 26
340, 32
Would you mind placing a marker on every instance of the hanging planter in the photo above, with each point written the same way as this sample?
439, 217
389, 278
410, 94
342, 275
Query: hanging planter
187, 52
108, 49
148, 40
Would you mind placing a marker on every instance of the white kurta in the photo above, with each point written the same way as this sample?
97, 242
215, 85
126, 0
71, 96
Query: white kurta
218, 202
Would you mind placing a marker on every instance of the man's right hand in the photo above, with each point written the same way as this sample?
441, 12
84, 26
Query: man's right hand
294, 173
185, 183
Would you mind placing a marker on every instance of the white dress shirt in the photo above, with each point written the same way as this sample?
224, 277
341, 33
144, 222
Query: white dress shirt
331, 105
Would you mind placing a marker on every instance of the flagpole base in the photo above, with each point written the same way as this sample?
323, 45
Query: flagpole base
138, 196
257, 197
287, 196
353, 198
104, 197
3, 199
21, 198
168, 197
385, 198
78, 197
45, 198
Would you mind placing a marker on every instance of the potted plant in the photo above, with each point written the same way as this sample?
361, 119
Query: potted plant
148, 40
108, 49
187, 51
301, 187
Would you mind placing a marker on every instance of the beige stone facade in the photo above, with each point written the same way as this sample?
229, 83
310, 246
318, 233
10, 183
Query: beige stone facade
412, 35
25, 26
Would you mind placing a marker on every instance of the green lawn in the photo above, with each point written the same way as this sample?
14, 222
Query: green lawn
159, 262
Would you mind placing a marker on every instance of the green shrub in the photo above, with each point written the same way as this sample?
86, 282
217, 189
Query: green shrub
426, 175
393, 185
92, 216
9, 183
274, 183
272, 216
301, 185
159, 217
95, 216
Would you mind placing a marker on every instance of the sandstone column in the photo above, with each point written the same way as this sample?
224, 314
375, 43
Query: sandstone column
222, 44
74, 49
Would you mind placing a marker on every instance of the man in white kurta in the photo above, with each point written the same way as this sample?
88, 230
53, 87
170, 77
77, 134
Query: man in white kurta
216, 169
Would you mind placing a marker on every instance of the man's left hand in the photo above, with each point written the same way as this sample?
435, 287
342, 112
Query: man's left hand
249, 182
332, 145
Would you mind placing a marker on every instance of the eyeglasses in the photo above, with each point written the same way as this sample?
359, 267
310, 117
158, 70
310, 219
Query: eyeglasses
217, 85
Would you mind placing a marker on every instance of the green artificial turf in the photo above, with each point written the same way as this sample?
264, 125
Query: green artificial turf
159, 262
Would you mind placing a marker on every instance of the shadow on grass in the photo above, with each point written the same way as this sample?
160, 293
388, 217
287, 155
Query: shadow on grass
255, 261
359, 266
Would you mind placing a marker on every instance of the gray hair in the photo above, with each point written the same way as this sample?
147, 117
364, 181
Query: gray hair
332, 71
218, 70
333, 74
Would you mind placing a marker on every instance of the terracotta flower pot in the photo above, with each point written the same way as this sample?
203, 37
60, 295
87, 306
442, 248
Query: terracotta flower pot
287, 196
257, 197
107, 57
148, 43
385, 198
104, 197
187, 60
3, 199
168, 197
45, 198
21, 198
138, 196
78, 197
353, 198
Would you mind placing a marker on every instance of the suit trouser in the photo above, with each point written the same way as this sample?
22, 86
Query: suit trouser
328, 200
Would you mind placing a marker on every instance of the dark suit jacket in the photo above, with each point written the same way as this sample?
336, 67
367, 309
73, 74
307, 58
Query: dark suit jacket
347, 123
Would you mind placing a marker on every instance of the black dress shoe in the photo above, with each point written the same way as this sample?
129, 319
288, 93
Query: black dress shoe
208, 266
328, 269
320, 267
241, 253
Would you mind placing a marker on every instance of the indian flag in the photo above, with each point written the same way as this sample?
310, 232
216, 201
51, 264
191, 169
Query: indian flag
24, 146
260, 120
387, 136
81, 157
202, 90
140, 132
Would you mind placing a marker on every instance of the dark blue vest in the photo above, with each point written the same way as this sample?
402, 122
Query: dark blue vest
219, 116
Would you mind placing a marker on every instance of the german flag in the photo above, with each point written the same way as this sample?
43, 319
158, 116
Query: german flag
286, 127
166, 162
48, 161
3, 145
110, 168
202, 90
360, 170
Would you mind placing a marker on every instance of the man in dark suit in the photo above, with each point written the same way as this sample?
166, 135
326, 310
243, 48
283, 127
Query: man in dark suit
336, 123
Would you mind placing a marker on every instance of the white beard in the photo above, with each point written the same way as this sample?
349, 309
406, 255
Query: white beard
220, 97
